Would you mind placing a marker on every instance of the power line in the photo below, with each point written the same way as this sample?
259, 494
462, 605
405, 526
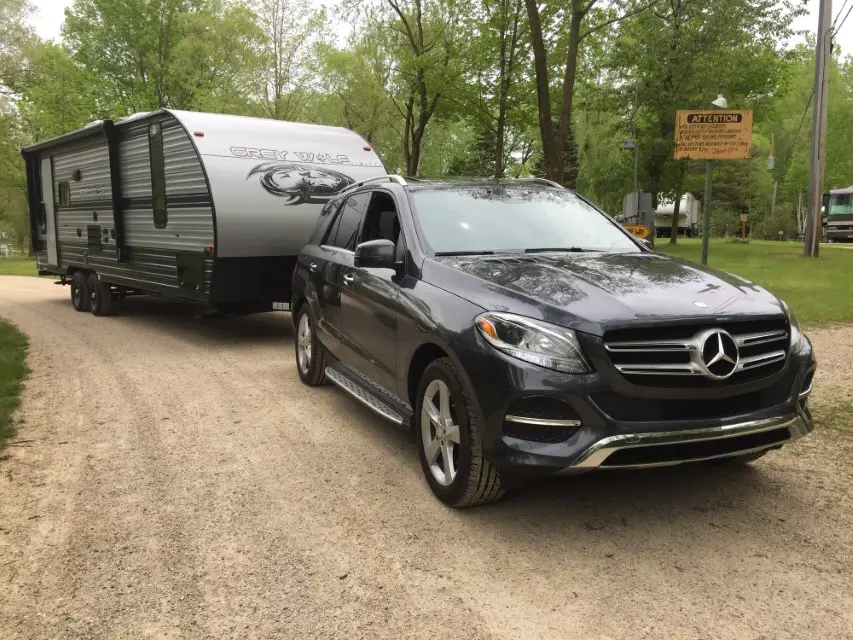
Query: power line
838, 15
836, 30
802, 119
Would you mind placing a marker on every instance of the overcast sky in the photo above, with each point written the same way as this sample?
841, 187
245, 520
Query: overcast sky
50, 14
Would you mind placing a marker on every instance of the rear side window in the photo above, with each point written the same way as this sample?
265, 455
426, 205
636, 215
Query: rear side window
158, 174
345, 228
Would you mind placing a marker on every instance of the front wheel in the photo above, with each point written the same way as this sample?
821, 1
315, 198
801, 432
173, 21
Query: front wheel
310, 355
449, 440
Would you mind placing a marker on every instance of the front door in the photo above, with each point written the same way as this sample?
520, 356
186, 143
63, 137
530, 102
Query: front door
330, 263
369, 301
48, 202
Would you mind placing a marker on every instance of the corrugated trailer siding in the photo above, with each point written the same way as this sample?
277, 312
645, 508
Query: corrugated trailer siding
90, 200
151, 252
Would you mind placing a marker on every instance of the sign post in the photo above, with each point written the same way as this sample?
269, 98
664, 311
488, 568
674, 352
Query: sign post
703, 134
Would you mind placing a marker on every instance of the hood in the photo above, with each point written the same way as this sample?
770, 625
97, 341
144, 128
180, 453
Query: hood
594, 292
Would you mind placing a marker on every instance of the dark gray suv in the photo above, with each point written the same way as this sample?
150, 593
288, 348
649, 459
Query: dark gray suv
515, 327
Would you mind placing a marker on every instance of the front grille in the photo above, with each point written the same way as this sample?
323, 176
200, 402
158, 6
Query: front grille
673, 356
542, 409
625, 409
658, 454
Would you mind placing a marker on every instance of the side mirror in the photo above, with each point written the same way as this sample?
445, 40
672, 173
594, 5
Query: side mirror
646, 243
375, 253
825, 202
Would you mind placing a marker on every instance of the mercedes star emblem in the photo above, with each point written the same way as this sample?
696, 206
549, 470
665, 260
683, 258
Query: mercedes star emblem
720, 355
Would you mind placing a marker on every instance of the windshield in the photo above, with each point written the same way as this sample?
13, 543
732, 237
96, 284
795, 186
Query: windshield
840, 204
501, 218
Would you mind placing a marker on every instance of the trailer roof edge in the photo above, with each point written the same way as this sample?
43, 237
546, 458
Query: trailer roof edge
89, 131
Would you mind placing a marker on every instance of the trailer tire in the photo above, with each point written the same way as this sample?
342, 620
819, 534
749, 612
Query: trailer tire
310, 353
79, 291
101, 296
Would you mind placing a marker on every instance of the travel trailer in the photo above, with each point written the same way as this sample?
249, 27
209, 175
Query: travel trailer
207, 208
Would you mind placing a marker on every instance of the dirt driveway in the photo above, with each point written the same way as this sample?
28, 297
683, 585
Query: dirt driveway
173, 479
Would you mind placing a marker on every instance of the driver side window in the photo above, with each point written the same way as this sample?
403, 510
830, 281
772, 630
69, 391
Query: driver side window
383, 223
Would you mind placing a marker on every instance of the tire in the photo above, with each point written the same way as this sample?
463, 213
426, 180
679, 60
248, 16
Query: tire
100, 296
741, 460
79, 291
472, 478
309, 351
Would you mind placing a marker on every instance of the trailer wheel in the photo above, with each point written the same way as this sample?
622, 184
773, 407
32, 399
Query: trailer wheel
79, 291
310, 354
100, 296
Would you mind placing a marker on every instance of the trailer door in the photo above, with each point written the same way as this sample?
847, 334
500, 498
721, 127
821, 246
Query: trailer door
48, 202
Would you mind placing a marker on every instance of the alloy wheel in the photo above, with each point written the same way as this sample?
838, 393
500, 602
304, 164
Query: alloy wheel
440, 433
303, 344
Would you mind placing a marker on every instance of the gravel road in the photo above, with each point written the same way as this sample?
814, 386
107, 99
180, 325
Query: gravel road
173, 479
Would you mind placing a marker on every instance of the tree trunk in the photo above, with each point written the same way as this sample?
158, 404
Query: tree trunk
550, 152
676, 210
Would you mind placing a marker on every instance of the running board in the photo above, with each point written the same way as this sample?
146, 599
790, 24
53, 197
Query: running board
358, 392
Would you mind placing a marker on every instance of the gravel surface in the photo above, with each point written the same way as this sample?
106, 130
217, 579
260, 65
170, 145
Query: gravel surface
173, 479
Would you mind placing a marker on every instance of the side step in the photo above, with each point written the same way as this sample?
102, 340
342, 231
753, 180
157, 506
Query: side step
359, 392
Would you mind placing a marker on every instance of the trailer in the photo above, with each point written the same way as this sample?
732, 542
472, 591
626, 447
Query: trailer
207, 208
838, 215
688, 217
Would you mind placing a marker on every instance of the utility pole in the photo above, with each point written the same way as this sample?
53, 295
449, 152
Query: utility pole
818, 153
771, 164
706, 210
636, 107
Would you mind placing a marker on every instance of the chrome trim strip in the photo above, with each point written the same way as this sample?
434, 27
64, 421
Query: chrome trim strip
597, 453
806, 393
543, 422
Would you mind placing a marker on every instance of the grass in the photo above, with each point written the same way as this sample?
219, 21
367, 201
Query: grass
13, 370
18, 267
819, 290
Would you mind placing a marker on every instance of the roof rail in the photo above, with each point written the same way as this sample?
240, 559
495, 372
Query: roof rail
550, 183
386, 178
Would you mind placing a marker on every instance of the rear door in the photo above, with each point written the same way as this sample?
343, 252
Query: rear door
49, 207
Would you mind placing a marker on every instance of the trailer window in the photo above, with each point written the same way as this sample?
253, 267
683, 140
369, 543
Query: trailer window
64, 194
158, 175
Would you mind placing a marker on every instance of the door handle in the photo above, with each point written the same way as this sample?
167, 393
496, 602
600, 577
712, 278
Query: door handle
348, 278
312, 267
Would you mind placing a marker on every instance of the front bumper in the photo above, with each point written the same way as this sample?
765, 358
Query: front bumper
694, 445
602, 441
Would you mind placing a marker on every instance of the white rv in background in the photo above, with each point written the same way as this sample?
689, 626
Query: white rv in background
202, 207
688, 217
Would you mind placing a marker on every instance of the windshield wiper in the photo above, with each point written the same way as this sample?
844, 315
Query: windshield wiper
464, 253
559, 249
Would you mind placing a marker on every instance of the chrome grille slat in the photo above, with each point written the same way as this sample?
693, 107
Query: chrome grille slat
751, 362
753, 339
648, 346
687, 369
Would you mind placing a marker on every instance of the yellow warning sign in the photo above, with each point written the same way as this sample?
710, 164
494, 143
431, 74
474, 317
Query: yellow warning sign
638, 230
713, 135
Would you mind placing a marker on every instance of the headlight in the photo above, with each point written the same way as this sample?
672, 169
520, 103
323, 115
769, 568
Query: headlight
798, 338
533, 341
